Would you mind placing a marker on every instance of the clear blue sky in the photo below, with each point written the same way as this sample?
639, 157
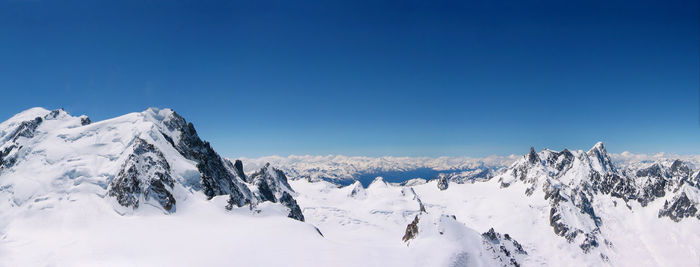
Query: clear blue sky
404, 78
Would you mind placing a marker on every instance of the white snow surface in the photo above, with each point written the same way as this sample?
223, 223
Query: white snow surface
55, 211
379, 219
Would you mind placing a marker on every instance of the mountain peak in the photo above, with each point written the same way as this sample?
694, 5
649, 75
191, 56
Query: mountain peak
377, 181
532, 157
158, 114
28, 114
602, 162
599, 146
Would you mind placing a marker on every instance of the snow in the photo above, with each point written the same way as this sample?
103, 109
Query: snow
55, 211
339, 167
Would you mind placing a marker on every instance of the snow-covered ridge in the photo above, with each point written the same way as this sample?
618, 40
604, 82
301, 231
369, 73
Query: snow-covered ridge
144, 188
345, 169
152, 159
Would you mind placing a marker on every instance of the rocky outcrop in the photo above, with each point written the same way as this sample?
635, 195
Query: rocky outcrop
85, 120
505, 249
144, 176
294, 210
409, 191
217, 179
267, 184
571, 180
270, 183
680, 207
411, 230
442, 183
26, 129
237, 169
12, 142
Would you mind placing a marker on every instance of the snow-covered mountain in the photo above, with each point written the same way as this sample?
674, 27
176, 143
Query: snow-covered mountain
56, 168
583, 186
145, 189
564, 208
150, 158
344, 170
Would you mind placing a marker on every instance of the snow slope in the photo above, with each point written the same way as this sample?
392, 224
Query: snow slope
74, 192
144, 190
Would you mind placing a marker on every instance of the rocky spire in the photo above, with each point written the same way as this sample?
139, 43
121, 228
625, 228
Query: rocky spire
532, 157
600, 154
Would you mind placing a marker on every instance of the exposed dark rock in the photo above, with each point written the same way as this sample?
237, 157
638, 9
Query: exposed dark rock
533, 158
442, 182
236, 198
560, 160
591, 241
490, 235
238, 170
679, 168
615, 185
84, 120
655, 186
265, 194
26, 129
145, 173
505, 249
53, 114
680, 207
216, 178
6, 161
270, 183
411, 230
294, 209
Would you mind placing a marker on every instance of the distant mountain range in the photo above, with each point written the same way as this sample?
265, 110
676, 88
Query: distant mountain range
345, 169
144, 188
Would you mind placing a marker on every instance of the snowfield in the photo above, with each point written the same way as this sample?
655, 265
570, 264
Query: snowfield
144, 190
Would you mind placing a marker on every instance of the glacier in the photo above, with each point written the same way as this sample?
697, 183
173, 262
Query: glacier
145, 189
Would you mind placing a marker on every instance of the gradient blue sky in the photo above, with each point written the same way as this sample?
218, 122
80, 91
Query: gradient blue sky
403, 78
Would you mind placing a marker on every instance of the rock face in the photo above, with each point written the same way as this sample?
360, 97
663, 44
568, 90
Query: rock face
680, 207
19, 132
217, 177
442, 182
294, 210
571, 181
268, 184
505, 249
13, 142
411, 230
144, 176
